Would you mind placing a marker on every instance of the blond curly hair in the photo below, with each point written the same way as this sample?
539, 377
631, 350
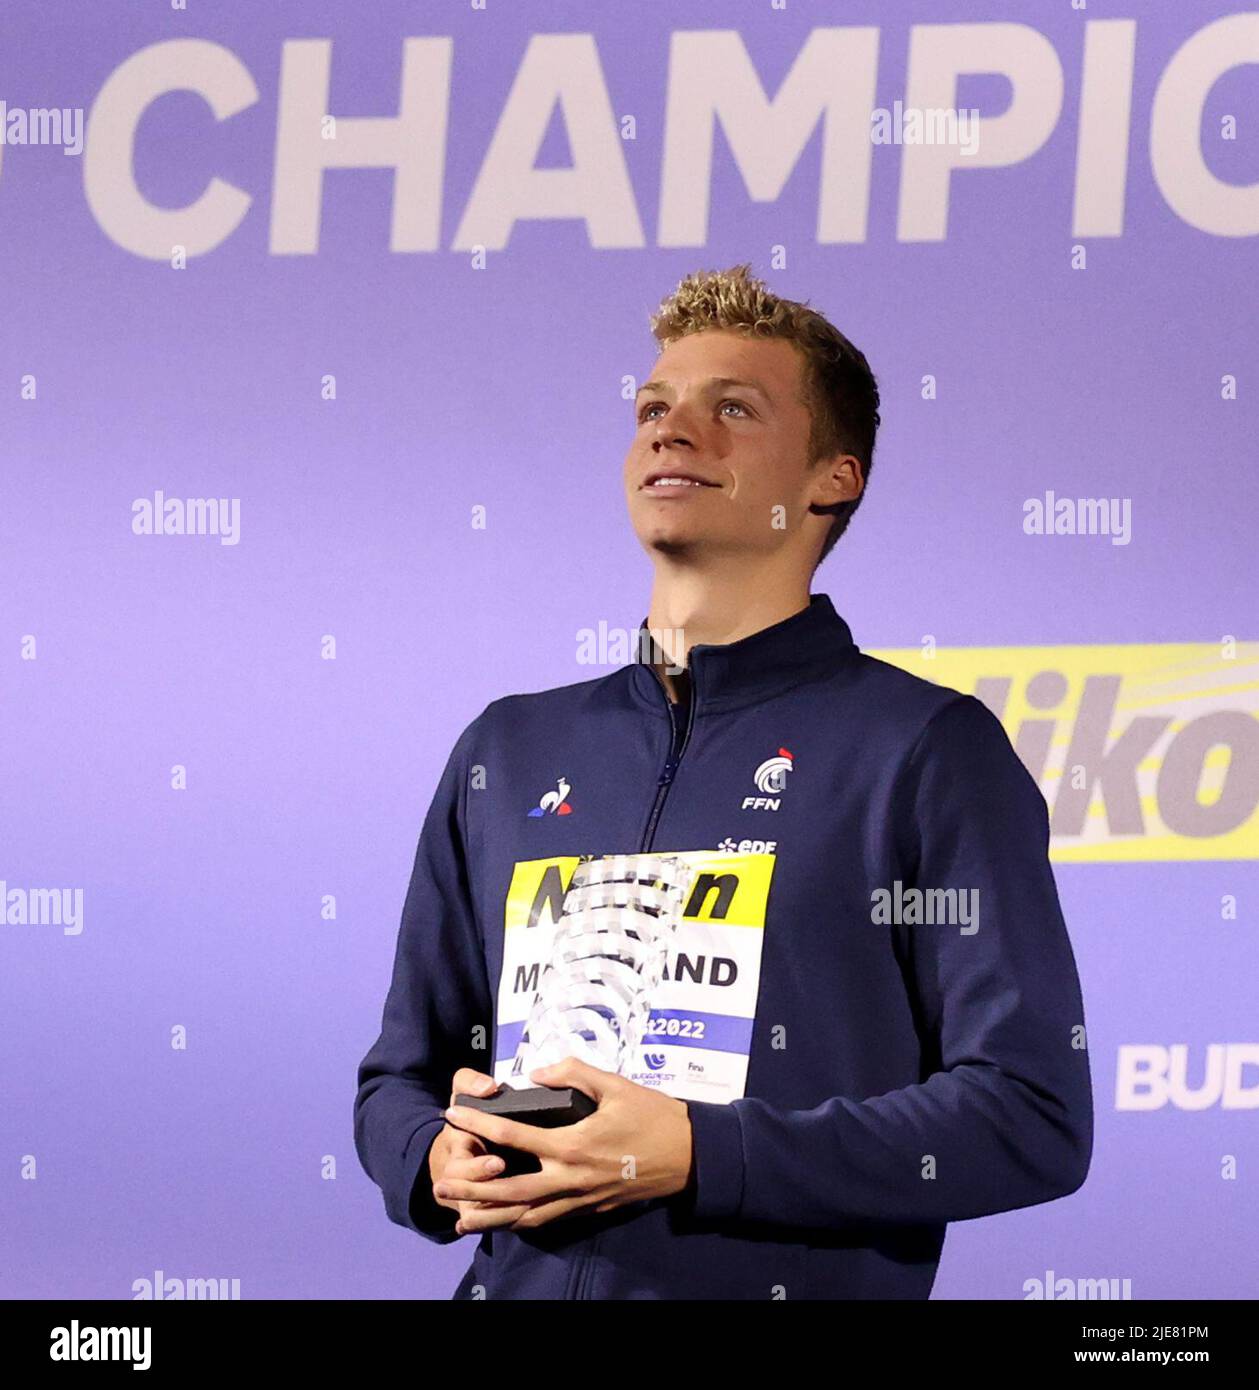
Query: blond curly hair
839, 387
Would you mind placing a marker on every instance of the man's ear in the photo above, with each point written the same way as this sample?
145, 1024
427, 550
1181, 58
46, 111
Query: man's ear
837, 479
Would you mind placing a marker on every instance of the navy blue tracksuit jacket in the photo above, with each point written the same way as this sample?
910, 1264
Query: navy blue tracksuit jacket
858, 1071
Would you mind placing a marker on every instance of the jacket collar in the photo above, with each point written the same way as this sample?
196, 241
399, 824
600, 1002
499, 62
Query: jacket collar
809, 645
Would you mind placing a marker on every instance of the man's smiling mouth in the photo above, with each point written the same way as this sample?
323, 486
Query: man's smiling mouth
675, 481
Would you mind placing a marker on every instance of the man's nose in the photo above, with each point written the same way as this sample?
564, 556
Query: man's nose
677, 428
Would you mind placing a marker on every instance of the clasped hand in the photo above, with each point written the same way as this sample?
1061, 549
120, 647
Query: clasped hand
634, 1147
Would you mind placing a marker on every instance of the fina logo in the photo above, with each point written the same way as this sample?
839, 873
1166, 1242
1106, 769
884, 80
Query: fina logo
771, 778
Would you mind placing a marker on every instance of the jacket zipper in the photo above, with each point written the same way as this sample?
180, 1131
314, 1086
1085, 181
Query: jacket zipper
676, 750
663, 783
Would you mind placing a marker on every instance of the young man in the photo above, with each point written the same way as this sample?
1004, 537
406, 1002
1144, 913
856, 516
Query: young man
827, 1080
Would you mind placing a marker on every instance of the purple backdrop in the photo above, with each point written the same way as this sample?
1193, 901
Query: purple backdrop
500, 386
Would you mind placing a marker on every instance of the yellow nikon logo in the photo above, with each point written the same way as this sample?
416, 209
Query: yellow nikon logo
729, 889
1141, 752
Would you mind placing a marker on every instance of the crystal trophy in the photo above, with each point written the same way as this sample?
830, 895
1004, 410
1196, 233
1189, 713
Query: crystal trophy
594, 994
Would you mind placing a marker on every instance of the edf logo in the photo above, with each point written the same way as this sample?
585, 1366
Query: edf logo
770, 777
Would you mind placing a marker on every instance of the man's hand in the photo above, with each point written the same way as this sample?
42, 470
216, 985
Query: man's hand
457, 1155
636, 1146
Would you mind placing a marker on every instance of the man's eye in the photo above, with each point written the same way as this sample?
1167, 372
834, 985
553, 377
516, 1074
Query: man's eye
645, 413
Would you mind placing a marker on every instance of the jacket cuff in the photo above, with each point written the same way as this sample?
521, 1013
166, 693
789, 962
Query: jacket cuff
427, 1217
717, 1153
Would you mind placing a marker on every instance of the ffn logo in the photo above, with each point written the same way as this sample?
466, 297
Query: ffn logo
770, 778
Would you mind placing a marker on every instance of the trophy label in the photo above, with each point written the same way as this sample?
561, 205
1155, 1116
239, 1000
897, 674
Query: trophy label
697, 1035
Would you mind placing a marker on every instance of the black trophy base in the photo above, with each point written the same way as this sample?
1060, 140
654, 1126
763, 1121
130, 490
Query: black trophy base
544, 1106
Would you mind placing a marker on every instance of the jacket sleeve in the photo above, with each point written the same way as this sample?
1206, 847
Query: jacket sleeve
1004, 1116
436, 1017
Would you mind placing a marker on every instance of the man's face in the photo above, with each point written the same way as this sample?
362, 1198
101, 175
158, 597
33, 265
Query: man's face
723, 415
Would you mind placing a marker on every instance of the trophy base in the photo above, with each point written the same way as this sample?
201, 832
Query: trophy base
544, 1106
